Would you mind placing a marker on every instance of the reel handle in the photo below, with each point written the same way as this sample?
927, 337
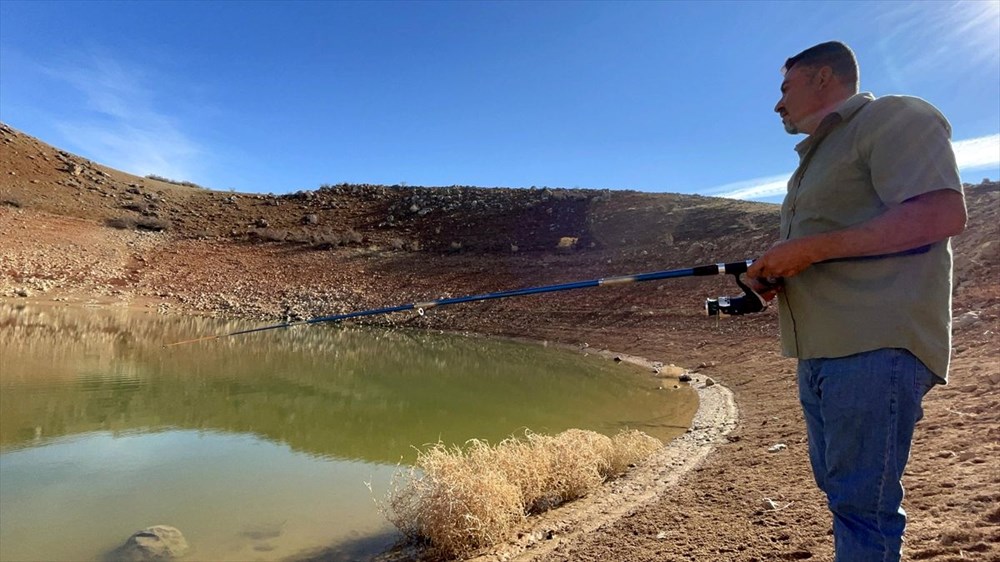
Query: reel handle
748, 303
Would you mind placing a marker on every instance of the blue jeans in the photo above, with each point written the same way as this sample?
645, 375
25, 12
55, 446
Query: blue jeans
860, 413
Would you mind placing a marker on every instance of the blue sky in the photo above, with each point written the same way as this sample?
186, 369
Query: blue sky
652, 96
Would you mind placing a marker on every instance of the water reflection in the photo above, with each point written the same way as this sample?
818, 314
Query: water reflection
330, 391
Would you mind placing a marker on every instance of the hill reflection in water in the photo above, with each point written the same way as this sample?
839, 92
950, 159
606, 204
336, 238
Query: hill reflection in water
326, 390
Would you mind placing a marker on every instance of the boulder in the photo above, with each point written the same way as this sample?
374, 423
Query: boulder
156, 543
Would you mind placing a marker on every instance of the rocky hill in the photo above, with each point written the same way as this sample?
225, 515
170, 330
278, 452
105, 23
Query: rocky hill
341, 247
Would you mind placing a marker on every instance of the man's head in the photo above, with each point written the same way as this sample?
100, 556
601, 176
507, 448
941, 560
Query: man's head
815, 82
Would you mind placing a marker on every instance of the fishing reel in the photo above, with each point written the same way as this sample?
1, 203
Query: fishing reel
747, 303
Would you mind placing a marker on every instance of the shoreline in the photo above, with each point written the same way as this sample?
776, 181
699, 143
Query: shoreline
716, 417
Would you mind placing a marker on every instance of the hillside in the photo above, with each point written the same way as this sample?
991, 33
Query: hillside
73, 231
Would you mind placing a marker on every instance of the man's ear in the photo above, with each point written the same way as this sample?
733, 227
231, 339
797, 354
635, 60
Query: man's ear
824, 77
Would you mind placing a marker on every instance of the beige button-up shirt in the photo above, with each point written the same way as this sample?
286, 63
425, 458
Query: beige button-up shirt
868, 156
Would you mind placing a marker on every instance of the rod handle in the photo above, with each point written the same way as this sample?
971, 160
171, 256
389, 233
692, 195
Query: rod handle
735, 268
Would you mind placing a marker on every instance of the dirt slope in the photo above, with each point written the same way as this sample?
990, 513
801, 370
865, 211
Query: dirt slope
74, 231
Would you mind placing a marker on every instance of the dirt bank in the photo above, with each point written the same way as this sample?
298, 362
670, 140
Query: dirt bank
74, 231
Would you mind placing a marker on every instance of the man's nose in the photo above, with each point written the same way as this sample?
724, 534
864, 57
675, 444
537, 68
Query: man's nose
779, 106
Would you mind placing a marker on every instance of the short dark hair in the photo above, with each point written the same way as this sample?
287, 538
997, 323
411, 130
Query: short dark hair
834, 54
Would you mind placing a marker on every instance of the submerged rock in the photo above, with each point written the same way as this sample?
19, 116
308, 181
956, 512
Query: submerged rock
152, 544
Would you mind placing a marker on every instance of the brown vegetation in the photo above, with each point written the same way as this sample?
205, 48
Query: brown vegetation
463, 499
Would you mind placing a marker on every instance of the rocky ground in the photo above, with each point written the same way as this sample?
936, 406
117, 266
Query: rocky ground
74, 231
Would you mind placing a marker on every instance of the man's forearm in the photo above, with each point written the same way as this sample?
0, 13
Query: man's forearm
917, 222
923, 220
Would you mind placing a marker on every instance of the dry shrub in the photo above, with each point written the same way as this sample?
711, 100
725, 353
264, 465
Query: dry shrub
175, 182
527, 466
121, 223
630, 447
461, 500
351, 236
575, 462
152, 224
454, 504
270, 234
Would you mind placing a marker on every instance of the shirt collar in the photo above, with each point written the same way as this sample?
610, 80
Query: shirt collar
843, 112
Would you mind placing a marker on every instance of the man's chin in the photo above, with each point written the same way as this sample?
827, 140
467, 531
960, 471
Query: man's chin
790, 127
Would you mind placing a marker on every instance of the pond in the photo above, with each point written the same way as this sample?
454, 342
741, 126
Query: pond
261, 447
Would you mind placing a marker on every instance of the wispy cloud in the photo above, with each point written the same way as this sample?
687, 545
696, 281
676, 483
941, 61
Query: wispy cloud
756, 188
971, 154
980, 152
120, 121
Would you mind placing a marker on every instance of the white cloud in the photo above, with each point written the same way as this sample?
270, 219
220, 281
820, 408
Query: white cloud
120, 124
753, 188
980, 152
971, 154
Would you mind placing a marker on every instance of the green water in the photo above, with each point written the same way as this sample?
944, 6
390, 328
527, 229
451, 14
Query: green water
259, 447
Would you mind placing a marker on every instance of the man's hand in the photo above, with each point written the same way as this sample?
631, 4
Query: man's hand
768, 288
784, 259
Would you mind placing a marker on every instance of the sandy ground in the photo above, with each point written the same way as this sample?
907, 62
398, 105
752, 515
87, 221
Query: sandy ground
717, 493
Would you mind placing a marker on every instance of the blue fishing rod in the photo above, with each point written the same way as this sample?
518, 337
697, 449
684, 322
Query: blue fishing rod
747, 303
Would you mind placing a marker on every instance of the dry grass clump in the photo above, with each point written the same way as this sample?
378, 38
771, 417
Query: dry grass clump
461, 500
456, 505
631, 448
175, 182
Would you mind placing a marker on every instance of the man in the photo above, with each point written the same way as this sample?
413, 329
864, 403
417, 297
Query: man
865, 301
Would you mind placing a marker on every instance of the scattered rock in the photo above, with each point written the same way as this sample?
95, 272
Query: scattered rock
684, 378
777, 447
310, 219
769, 505
709, 381
567, 243
967, 319
156, 543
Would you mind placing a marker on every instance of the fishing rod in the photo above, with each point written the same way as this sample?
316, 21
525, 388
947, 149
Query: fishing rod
747, 303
